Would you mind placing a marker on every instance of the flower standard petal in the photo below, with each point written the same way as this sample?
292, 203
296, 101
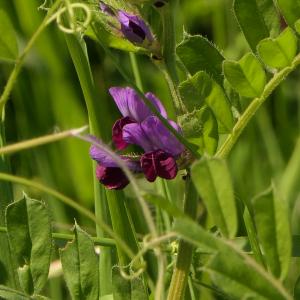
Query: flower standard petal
131, 105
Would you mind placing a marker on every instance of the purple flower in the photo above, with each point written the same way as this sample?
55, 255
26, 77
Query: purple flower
140, 127
134, 28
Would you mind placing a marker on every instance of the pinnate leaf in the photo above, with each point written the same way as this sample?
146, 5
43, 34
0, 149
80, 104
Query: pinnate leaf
246, 76
279, 52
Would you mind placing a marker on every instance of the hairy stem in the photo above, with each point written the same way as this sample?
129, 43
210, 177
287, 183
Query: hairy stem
185, 250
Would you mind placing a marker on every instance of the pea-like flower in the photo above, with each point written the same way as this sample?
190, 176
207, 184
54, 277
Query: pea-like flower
132, 26
139, 126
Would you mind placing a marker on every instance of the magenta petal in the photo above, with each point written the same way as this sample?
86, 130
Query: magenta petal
158, 163
117, 132
134, 134
111, 178
160, 137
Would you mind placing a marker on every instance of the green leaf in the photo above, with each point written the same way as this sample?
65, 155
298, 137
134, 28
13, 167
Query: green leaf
8, 41
278, 52
251, 21
80, 266
231, 263
273, 228
270, 16
121, 286
201, 88
290, 10
201, 129
199, 54
246, 76
124, 289
29, 232
213, 183
11, 294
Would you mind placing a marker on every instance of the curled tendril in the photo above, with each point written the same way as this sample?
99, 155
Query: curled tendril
74, 25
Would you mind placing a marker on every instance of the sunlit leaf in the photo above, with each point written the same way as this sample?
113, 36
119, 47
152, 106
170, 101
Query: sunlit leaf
273, 228
80, 266
11, 294
199, 54
29, 232
279, 52
213, 182
246, 76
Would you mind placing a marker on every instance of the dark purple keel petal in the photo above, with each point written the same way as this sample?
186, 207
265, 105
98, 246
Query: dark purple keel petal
117, 132
111, 178
158, 163
134, 28
160, 137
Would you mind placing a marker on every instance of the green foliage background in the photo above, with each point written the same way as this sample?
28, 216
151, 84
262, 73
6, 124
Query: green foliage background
48, 97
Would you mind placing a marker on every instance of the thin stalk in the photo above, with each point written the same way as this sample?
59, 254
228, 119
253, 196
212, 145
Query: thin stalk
69, 237
136, 71
253, 107
20, 60
70, 202
169, 66
40, 141
185, 250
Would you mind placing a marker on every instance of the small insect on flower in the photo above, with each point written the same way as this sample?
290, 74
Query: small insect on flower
139, 126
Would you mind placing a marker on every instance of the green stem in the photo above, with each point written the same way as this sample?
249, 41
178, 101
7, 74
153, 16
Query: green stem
20, 60
40, 141
185, 250
136, 71
253, 107
169, 54
69, 237
68, 201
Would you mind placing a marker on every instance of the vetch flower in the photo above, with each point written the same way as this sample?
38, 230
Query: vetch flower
106, 9
139, 126
135, 29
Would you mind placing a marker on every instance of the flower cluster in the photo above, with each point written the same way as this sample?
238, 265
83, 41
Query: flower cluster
139, 126
132, 27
